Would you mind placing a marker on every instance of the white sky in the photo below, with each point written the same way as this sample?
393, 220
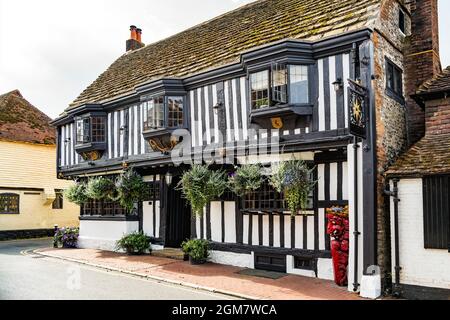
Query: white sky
51, 50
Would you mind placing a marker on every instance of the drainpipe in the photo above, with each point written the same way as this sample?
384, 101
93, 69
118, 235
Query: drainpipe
356, 232
394, 194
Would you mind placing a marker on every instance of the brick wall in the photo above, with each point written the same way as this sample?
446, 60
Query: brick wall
437, 115
422, 59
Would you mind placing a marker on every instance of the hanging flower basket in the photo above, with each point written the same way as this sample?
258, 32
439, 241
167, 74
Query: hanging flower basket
338, 229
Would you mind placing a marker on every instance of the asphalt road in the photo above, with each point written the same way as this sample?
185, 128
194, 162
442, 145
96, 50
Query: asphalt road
33, 277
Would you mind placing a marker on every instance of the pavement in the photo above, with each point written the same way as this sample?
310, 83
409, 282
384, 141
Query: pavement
214, 278
26, 275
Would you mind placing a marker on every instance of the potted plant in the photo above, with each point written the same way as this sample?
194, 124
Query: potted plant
197, 250
100, 188
67, 237
200, 185
338, 229
130, 188
135, 243
245, 179
76, 193
293, 178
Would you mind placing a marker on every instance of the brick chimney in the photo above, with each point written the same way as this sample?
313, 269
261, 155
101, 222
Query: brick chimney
422, 60
135, 41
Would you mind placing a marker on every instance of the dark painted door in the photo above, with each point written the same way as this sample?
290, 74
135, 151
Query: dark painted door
178, 223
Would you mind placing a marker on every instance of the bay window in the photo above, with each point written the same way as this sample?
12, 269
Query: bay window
280, 85
164, 112
91, 129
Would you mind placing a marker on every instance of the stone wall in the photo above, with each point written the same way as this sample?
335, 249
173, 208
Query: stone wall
391, 125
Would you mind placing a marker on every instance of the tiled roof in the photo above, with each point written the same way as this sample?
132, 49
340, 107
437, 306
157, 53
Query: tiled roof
431, 155
21, 121
439, 83
220, 41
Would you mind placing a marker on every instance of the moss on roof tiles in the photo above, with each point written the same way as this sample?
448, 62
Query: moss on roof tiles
431, 155
220, 41
21, 121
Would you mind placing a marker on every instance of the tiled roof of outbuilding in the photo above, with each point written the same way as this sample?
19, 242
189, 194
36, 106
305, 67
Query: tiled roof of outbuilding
439, 83
222, 40
21, 121
431, 155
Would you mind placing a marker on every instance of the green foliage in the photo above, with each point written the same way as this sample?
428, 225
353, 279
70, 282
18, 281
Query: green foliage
197, 249
76, 193
130, 188
293, 178
246, 179
200, 185
100, 188
135, 243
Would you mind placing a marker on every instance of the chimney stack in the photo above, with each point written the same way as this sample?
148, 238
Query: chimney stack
135, 41
422, 60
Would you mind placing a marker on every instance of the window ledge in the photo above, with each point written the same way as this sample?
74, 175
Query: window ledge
288, 113
90, 146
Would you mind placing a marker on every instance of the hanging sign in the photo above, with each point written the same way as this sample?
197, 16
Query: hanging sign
357, 109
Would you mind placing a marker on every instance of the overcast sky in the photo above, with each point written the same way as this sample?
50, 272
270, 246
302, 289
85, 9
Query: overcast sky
51, 49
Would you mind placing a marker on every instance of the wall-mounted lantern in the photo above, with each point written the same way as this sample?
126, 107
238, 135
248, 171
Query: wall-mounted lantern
338, 85
169, 178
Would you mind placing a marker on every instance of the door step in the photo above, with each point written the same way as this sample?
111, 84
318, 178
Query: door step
170, 253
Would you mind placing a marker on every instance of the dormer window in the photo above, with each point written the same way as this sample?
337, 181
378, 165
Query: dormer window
282, 84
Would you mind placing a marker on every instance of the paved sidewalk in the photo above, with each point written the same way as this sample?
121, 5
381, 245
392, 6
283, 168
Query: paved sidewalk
212, 277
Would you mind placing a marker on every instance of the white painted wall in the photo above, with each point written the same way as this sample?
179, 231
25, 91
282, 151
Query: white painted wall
104, 234
420, 266
147, 211
232, 259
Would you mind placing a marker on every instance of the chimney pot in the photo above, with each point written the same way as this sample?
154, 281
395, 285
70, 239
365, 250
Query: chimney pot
133, 34
139, 35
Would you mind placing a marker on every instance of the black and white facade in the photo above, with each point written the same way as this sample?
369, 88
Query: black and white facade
253, 234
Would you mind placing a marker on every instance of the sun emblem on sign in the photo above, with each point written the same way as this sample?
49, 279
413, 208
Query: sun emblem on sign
357, 111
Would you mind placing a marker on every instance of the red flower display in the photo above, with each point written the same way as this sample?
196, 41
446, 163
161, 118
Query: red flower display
338, 229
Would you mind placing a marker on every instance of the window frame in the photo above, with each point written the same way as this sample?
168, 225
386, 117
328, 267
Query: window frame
16, 197
58, 203
402, 21
270, 68
166, 111
397, 74
89, 128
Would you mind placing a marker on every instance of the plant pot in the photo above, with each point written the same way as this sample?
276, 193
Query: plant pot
196, 262
131, 252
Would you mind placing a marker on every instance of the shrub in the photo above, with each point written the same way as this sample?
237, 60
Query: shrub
246, 179
76, 193
294, 179
100, 188
134, 243
67, 237
197, 249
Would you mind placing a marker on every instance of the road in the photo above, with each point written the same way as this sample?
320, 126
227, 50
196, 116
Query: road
27, 276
